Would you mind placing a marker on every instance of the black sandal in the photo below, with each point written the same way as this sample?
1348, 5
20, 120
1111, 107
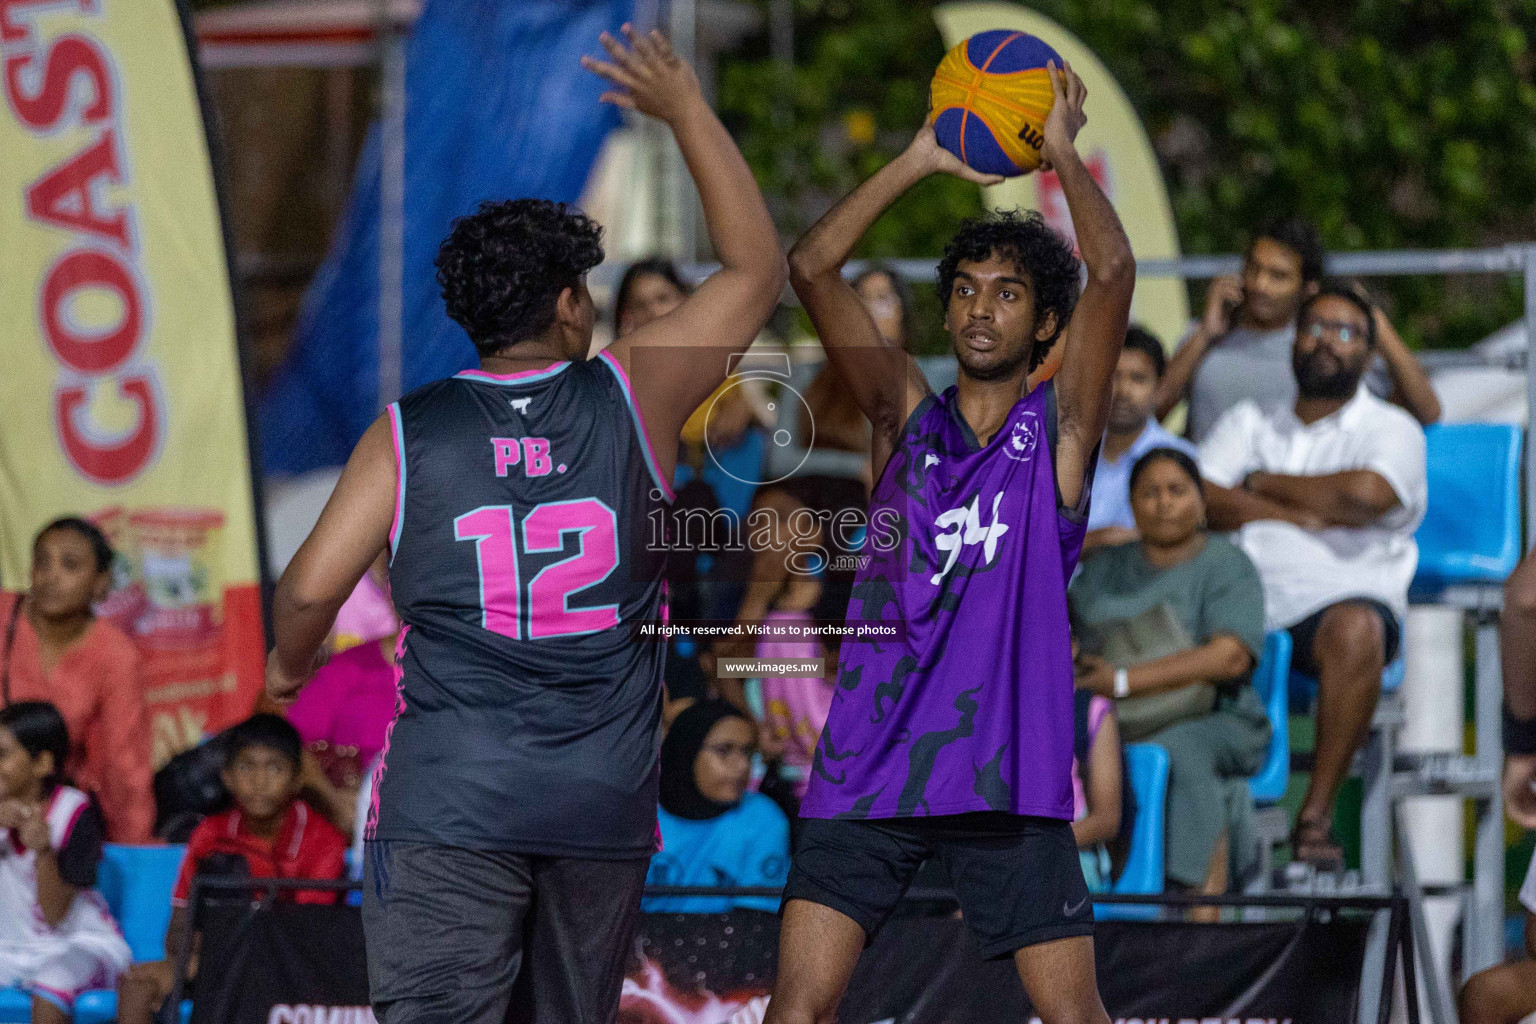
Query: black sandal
1314, 843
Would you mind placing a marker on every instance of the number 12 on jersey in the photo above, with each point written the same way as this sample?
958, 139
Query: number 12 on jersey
549, 592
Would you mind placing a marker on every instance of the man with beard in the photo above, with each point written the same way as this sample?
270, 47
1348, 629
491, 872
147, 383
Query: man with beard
1324, 497
1240, 348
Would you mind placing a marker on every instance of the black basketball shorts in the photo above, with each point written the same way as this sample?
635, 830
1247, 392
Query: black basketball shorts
1018, 878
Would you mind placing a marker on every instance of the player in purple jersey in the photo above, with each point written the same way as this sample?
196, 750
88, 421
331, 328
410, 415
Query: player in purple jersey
515, 810
955, 739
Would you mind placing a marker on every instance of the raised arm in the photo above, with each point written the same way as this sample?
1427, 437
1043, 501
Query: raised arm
1221, 299
1410, 384
884, 379
353, 529
729, 309
1095, 333
29, 824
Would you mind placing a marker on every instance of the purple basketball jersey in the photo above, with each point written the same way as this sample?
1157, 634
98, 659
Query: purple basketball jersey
972, 709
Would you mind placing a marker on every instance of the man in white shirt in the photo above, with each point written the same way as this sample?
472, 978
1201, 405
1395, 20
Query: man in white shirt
1324, 497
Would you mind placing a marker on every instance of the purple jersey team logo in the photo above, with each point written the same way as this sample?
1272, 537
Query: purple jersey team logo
1023, 437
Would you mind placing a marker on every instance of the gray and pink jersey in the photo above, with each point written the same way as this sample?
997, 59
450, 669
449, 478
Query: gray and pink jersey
970, 709
528, 716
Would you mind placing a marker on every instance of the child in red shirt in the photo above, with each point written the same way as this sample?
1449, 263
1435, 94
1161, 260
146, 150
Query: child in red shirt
270, 829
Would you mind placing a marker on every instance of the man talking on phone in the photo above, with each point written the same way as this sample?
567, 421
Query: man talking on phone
1240, 349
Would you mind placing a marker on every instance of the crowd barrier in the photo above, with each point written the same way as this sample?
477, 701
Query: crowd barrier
265, 961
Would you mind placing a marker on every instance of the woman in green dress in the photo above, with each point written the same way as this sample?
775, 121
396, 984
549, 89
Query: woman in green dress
1200, 600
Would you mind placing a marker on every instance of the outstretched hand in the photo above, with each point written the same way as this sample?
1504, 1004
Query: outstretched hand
651, 78
1066, 118
935, 159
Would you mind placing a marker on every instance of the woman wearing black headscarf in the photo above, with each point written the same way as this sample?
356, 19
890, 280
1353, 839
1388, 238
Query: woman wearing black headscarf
713, 831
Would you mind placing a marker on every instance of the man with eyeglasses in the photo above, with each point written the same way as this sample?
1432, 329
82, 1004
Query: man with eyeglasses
1324, 496
1240, 348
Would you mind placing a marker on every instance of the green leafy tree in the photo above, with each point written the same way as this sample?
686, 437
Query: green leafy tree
1391, 123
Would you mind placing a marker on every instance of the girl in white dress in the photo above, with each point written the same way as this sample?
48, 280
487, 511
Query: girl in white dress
57, 938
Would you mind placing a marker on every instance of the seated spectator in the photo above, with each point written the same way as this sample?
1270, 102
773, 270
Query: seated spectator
342, 717
1507, 993
56, 937
1097, 786
795, 707
1241, 348
649, 290
53, 648
714, 832
270, 833
830, 420
1132, 432
1196, 598
1325, 497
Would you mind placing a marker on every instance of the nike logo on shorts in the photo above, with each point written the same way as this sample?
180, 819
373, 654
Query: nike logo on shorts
1070, 909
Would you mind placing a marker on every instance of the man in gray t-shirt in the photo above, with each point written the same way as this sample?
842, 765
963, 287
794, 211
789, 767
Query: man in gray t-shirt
1245, 362
1241, 346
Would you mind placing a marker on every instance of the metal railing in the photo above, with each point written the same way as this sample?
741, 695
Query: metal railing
1517, 258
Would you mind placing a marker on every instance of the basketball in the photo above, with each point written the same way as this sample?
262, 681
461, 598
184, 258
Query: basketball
990, 98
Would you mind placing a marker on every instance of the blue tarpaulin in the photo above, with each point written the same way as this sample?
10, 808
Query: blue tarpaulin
497, 107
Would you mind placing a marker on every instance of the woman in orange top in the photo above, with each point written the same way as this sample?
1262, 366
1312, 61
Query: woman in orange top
53, 648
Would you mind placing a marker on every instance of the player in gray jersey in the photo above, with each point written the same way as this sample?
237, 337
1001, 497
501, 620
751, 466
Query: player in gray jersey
515, 809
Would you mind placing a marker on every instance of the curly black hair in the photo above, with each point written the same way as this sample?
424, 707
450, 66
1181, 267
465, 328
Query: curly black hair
502, 267
1301, 237
1035, 247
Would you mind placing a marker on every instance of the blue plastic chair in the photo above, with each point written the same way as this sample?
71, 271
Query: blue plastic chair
100, 1007
136, 882
1147, 765
1303, 688
15, 1006
1471, 529
1270, 679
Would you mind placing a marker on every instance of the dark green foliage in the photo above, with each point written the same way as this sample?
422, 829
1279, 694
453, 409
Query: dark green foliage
1392, 123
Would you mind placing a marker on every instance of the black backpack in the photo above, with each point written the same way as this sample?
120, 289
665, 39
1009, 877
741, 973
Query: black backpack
1120, 846
189, 787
